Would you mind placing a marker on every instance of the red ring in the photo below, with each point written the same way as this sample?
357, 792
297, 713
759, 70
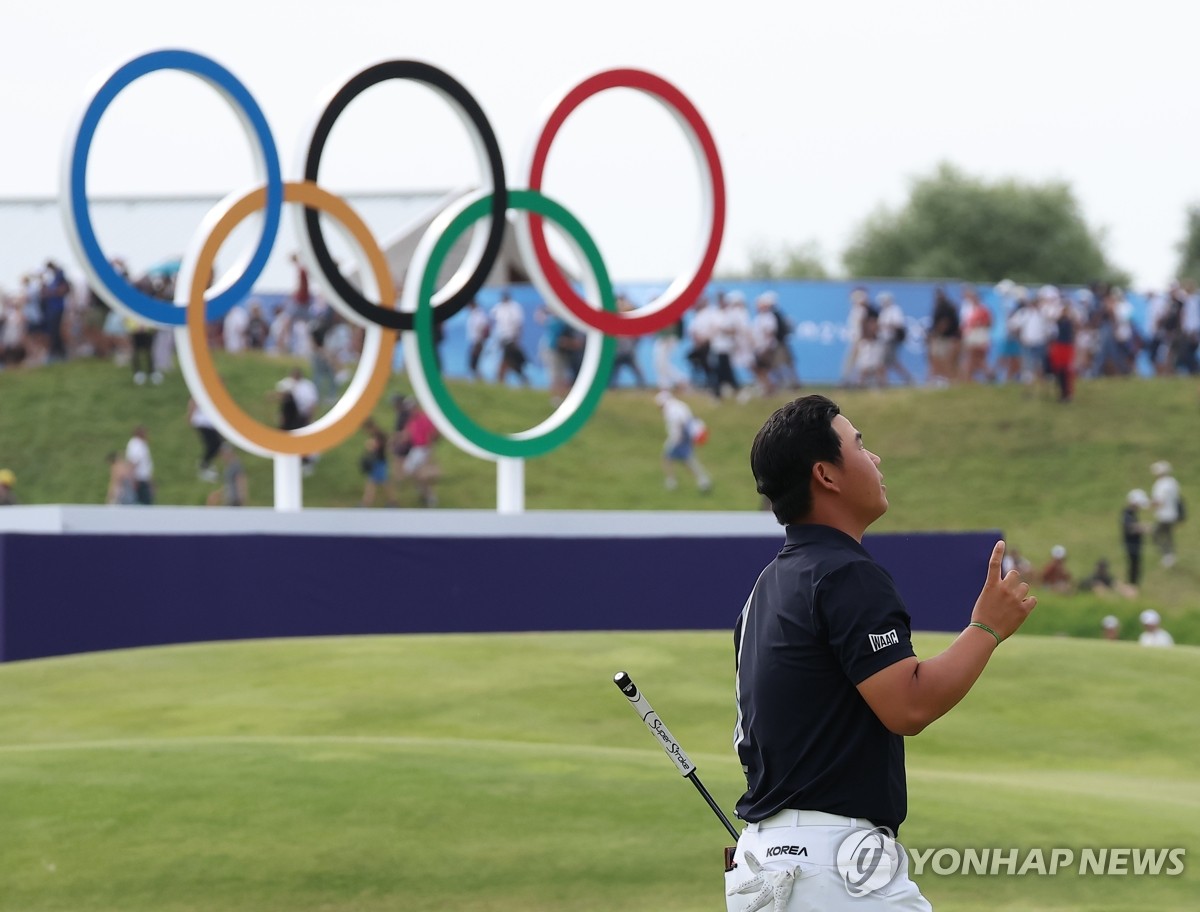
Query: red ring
643, 321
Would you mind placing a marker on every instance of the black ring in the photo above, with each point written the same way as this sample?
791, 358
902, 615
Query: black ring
419, 72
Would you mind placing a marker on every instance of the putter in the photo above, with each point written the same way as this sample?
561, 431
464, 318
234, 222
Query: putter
686, 768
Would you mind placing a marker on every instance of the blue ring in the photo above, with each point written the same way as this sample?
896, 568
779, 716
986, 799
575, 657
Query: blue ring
165, 313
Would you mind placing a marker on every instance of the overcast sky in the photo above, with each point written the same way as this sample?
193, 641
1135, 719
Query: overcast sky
821, 111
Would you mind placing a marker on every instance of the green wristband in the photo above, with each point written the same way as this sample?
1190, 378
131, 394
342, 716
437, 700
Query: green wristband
988, 629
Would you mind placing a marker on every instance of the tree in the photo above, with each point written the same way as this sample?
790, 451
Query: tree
1189, 247
957, 226
798, 261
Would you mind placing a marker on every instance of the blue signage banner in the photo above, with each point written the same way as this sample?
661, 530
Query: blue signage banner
817, 310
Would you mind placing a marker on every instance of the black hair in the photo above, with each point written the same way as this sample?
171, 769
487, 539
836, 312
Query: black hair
795, 438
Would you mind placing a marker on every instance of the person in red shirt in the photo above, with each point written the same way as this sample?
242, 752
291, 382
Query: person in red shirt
302, 295
1055, 574
977, 337
420, 434
1062, 346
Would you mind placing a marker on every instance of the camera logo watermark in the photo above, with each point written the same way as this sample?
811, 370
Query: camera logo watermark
867, 860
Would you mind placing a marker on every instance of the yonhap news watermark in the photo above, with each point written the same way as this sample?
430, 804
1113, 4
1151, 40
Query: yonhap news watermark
868, 860
1116, 861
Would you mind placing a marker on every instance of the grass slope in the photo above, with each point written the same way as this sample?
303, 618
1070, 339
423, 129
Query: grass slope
963, 458
501, 773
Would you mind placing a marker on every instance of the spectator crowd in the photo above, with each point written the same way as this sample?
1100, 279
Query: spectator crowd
730, 346
1032, 336
48, 319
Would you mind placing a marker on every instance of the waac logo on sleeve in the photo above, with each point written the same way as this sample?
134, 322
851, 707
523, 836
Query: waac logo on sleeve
881, 640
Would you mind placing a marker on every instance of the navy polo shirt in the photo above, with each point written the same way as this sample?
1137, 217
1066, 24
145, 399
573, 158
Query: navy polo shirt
822, 618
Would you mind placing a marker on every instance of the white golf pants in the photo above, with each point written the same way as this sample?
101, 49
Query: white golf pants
810, 861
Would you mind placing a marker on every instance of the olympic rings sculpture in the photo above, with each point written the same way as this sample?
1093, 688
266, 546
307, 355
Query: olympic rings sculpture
422, 304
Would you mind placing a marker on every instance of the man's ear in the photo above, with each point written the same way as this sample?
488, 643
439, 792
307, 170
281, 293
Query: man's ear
823, 475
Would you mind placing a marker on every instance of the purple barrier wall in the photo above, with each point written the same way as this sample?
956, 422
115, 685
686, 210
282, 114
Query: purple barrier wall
71, 593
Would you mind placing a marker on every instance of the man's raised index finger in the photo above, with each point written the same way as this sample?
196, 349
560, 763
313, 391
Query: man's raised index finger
997, 560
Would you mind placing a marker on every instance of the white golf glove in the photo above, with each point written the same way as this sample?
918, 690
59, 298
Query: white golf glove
774, 887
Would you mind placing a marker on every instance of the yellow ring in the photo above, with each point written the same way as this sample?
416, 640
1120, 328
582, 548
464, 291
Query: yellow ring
375, 363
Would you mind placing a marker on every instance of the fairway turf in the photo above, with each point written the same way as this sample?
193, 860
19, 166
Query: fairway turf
506, 773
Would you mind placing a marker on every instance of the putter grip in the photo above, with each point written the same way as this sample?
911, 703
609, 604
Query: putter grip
661, 733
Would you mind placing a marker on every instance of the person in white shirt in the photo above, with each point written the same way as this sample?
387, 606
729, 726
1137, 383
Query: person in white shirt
304, 394
727, 324
1123, 331
859, 301
233, 330
1033, 326
12, 336
1152, 633
508, 319
301, 339
764, 332
479, 327
210, 440
700, 332
1165, 498
743, 341
137, 454
298, 398
662, 354
893, 330
870, 351
279, 335
680, 444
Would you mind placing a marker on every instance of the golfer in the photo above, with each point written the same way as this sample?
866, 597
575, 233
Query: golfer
828, 684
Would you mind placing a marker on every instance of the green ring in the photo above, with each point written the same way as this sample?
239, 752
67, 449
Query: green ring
520, 445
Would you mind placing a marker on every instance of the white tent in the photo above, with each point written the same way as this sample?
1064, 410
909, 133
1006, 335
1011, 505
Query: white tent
148, 231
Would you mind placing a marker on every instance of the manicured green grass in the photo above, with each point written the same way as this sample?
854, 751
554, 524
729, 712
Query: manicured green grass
506, 772
956, 459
